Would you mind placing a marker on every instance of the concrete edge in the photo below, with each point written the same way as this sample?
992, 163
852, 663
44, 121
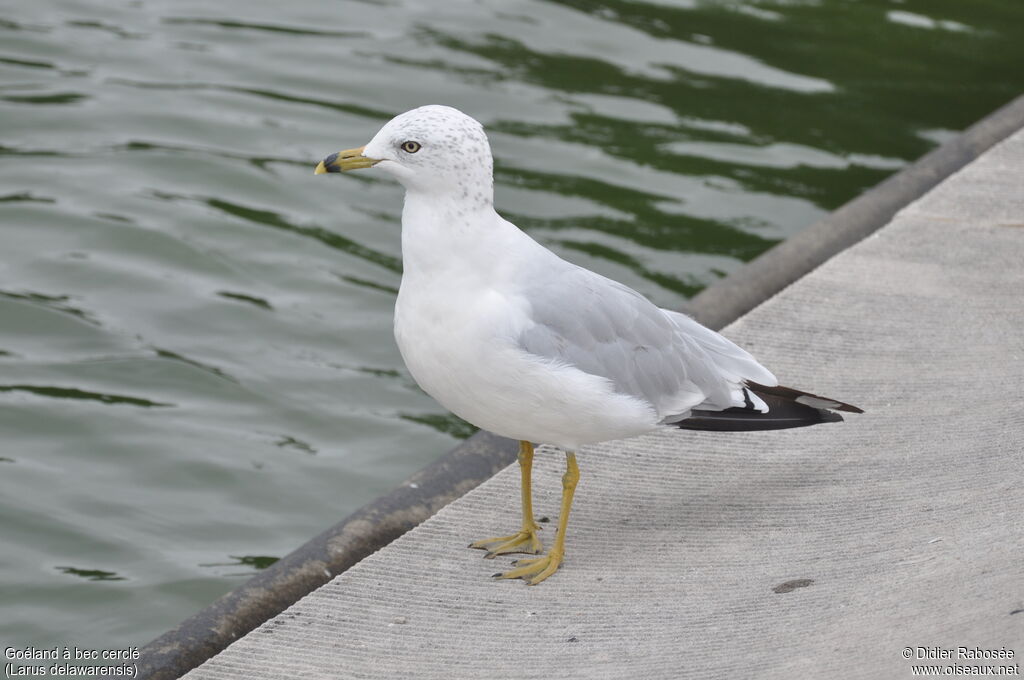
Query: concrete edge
477, 459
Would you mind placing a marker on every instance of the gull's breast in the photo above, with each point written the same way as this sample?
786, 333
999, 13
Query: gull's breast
455, 337
460, 343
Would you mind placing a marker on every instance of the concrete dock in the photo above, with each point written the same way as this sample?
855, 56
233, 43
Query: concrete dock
817, 552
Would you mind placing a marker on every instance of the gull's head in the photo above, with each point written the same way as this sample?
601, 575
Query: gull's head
435, 149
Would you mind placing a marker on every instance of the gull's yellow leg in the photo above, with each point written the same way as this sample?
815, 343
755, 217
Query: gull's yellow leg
526, 541
536, 569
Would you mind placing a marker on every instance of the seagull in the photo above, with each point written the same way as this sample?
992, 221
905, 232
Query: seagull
513, 339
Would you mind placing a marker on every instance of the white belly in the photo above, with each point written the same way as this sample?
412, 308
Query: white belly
460, 347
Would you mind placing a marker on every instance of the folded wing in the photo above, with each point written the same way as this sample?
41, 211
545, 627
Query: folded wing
606, 329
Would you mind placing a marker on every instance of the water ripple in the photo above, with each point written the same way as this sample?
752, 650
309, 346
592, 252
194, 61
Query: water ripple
256, 562
270, 218
12, 61
261, 162
52, 98
92, 574
445, 423
232, 24
74, 393
106, 28
174, 356
54, 302
242, 297
262, 93
26, 197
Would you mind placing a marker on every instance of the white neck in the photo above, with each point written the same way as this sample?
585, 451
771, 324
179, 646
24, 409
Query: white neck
440, 231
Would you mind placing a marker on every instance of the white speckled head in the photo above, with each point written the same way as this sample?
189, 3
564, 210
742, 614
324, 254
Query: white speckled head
436, 149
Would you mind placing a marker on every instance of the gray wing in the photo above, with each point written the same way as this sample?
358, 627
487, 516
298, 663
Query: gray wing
733, 362
607, 329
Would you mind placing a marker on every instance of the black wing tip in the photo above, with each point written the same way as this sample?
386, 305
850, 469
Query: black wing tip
738, 419
828, 416
790, 394
787, 408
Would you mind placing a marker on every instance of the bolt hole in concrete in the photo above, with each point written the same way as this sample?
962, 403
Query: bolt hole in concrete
790, 586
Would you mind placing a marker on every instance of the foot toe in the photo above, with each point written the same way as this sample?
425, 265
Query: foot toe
533, 570
526, 541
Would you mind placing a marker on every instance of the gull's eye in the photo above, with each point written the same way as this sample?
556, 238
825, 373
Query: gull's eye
410, 147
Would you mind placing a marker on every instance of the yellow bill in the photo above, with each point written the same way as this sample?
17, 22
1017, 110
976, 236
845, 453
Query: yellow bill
343, 161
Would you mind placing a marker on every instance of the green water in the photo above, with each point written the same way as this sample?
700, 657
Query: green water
196, 365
